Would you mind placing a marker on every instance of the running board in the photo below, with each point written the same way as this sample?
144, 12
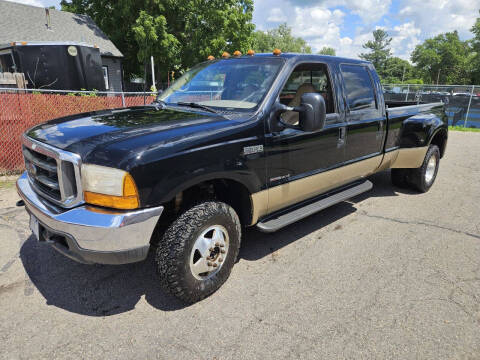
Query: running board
283, 219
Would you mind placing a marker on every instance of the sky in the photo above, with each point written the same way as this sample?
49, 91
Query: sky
347, 24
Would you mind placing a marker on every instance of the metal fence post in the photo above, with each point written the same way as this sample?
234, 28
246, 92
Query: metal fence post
123, 99
468, 108
408, 90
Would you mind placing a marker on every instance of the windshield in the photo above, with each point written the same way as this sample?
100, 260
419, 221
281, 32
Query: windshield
231, 84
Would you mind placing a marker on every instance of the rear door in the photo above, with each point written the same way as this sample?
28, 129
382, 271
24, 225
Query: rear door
364, 113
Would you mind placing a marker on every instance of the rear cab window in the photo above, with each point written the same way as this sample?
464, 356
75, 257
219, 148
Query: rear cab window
359, 87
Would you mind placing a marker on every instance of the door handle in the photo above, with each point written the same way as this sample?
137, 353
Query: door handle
380, 130
341, 136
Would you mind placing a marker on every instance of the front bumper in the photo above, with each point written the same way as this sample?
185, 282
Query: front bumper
92, 235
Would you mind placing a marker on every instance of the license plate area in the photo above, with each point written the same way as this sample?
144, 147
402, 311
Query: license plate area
35, 227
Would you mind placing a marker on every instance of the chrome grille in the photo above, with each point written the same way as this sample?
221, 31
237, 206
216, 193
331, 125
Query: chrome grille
53, 173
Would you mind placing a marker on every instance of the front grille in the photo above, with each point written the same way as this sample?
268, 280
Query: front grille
42, 171
53, 173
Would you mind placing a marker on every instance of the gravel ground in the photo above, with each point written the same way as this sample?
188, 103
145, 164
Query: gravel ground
389, 274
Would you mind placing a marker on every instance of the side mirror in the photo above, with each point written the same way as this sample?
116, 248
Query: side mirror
312, 112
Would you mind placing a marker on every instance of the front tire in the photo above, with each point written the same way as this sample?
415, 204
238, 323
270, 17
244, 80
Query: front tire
198, 251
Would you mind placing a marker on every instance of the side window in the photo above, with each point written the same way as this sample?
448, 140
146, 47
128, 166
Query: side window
358, 87
306, 78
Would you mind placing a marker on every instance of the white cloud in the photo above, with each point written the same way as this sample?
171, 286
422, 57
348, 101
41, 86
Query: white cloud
438, 16
369, 10
29, 2
404, 39
276, 15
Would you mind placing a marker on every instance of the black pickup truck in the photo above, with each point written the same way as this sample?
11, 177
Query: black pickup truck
261, 140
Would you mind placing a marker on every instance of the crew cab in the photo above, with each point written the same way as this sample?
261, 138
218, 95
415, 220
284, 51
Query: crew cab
260, 140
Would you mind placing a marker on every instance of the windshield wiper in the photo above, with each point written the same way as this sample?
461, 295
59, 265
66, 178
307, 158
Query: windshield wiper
197, 105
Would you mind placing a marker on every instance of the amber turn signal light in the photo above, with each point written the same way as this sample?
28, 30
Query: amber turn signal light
129, 199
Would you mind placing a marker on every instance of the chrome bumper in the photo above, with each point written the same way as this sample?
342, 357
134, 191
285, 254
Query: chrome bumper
92, 235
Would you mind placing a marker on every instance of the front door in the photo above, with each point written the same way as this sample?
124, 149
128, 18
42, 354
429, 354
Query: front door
296, 160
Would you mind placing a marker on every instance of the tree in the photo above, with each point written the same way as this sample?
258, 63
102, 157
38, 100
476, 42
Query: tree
444, 59
397, 71
475, 43
178, 33
326, 50
379, 50
280, 38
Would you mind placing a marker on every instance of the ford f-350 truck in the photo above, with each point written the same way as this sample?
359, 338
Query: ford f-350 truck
260, 140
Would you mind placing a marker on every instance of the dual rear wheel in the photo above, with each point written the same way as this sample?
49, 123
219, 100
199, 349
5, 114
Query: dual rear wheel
421, 178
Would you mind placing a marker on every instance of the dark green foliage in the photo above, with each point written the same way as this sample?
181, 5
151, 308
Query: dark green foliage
178, 33
444, 59
279, 38
326, 50
379, 50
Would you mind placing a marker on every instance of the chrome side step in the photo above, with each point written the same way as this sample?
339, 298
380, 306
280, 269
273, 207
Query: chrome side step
276, 222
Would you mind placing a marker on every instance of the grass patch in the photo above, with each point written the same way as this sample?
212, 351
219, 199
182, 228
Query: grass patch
461, 128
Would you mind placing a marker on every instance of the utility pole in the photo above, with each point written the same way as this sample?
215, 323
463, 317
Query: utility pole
153, 72
438, 76
403, 75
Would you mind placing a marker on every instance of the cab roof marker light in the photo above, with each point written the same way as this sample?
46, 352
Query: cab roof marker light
250, 52
210, 58
277, 52
237, 53
225, 55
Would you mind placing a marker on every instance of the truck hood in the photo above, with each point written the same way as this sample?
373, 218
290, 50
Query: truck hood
113, 136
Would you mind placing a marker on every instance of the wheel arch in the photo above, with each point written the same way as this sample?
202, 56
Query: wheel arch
229, 190
439, 138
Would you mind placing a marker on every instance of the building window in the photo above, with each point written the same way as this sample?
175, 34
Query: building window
105, 77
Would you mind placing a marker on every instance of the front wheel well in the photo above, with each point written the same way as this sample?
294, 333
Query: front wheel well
440, 139
228, 191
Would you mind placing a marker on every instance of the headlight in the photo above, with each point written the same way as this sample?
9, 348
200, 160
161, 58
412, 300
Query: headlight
109, 187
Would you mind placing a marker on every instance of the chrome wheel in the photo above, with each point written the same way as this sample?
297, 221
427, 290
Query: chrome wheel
431, 168
209, 252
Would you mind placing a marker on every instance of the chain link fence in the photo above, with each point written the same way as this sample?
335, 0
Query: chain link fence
21, 109
462, 101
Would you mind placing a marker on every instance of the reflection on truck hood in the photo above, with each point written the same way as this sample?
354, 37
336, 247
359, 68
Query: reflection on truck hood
108, 129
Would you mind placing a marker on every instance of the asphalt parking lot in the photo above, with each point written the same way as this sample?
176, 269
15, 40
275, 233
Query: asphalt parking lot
389, 274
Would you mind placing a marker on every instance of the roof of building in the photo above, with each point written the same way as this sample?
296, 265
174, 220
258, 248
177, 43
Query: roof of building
19, 22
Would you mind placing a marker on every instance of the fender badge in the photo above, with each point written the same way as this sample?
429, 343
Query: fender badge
247, 150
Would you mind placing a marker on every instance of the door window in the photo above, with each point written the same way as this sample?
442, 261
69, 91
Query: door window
306, 78
358, 87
